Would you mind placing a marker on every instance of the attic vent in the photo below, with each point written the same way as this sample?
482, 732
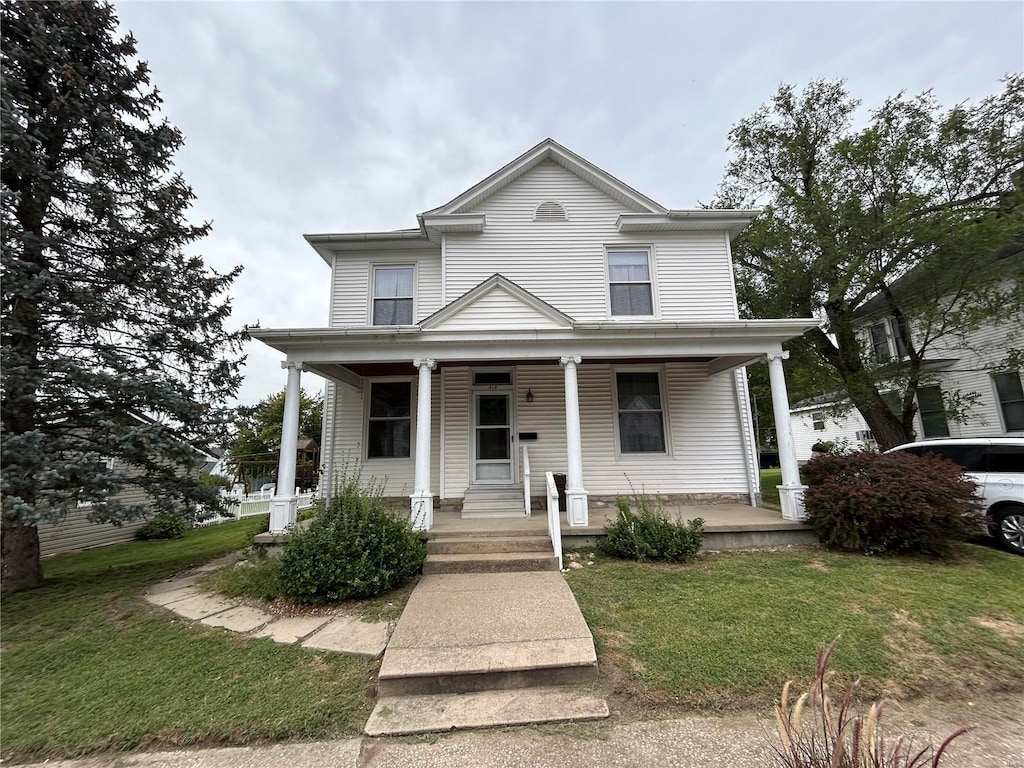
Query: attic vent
549, 210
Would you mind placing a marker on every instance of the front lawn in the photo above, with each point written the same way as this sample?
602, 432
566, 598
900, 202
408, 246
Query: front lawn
728, 630
771, 479
89, 665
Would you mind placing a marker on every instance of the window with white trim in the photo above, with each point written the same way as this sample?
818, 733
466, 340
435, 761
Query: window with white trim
933, 412
818, 421
389, 420
641, 415
629, 283
392, 295
1011, 399
880, 343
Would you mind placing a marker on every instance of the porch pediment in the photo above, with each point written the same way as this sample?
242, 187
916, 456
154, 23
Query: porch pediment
497, 304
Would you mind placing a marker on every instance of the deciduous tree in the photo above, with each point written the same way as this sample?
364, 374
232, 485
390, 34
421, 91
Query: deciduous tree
114, 344
916, 217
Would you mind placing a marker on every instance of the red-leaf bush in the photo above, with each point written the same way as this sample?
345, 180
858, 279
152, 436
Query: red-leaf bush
889, 503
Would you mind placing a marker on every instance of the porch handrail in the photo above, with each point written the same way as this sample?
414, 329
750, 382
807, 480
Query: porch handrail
554, 523
526, 480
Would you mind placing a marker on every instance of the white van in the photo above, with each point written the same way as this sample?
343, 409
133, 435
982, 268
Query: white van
996, 464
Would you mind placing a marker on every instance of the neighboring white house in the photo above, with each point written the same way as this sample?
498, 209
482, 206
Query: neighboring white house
549, 314
967, 369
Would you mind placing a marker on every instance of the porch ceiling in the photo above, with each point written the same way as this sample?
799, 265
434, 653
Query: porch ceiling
349, 353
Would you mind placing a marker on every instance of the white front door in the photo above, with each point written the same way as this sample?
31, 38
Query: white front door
493, 454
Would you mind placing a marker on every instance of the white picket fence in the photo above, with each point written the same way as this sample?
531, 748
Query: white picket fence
252, 505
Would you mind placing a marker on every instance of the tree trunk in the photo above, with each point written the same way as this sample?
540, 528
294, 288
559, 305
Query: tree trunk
886, 428
19, 557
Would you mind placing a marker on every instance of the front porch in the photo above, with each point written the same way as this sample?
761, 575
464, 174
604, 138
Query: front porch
726, 526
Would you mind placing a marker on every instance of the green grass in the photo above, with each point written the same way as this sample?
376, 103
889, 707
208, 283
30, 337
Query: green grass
770, 480
728, 630
88, 665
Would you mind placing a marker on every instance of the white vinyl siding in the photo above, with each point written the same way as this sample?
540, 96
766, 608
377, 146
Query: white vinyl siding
499, 310
351, 303
564, 262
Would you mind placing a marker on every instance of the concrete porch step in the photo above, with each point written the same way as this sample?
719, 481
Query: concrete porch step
465, 545
505, 501
406, 715
489, 562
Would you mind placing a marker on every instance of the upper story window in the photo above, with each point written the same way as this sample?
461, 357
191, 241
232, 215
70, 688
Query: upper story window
392, 295
885, 337
389, 420
640, 412
818, 421
1011, 399
880, 343
629, 283
933, 413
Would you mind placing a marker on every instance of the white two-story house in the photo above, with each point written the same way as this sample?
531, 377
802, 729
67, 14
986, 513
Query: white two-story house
550, 315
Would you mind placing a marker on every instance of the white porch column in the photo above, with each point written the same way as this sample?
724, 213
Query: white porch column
422, 498
575, 495
791, 492
284, 505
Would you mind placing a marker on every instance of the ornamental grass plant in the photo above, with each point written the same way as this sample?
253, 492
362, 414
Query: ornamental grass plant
817, 731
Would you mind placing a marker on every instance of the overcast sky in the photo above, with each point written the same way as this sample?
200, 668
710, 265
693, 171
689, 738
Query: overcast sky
312, 117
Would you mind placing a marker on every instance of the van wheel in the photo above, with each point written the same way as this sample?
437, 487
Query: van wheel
1008, 528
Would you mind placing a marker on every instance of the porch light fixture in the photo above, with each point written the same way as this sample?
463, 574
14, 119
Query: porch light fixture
529, 395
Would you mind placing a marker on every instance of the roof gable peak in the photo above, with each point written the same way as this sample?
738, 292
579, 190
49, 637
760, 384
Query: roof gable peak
549, 149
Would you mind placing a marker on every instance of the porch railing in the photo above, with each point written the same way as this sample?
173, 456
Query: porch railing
251, 505
554, 521
526, 480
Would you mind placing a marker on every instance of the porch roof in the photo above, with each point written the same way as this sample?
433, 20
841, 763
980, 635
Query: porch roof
721, 345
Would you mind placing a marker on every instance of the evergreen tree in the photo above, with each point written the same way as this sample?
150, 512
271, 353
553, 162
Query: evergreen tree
116, 363
916, 218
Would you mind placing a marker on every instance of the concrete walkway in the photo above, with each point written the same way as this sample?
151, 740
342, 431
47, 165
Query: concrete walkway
336, 632
474, 650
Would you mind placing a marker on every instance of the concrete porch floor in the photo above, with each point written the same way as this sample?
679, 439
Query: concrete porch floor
726, 526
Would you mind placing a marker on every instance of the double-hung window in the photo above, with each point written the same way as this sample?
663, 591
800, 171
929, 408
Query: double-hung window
640, 412
392, 295
389, 427
629, 283
1011, 399
933, 413
880, 343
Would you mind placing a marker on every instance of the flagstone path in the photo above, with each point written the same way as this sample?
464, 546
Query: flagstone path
337, 632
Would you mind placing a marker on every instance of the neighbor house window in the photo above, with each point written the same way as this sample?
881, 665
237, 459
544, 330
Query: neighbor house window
629, 283
1011, 399
640, 412
897, 337
880, 343
392, 295
389, 427
818, 421
933, 413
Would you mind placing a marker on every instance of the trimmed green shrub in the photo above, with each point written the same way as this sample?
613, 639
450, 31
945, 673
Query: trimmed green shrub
354, 548
889, 503
162, 527
649, 534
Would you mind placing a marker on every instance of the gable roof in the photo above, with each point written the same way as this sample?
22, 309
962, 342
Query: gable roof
535, 307
549, 149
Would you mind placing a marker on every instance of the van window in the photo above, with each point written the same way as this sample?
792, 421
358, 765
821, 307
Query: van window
970, 457
1005, 458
